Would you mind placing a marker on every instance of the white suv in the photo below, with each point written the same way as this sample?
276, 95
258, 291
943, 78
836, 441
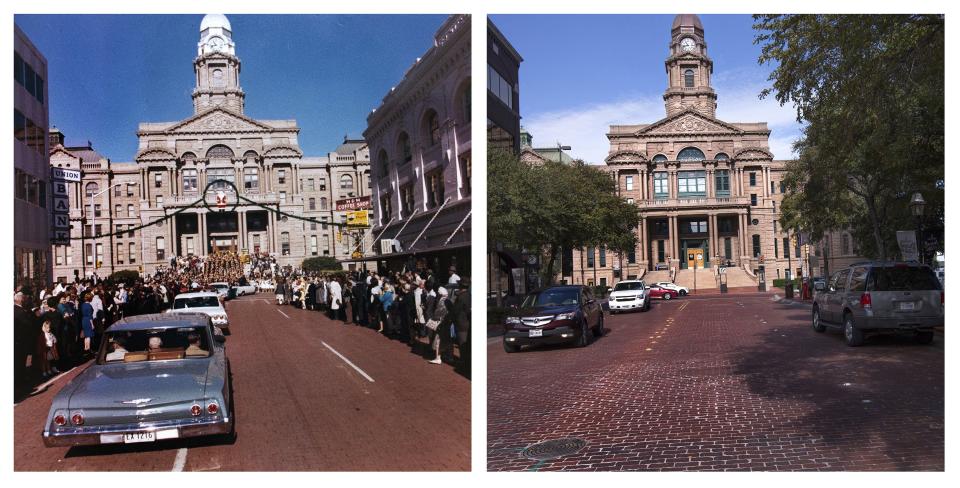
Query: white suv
629, 295
669, 285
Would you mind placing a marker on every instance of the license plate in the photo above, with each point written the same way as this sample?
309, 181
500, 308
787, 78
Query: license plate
906, 306
536, 333
134, 437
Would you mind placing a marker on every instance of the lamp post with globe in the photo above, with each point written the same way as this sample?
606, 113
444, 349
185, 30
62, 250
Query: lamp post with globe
917, 204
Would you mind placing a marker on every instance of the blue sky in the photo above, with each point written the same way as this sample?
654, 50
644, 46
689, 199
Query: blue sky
107, 73
582, 73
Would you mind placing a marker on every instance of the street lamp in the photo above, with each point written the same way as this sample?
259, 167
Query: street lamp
93, 219
917, 203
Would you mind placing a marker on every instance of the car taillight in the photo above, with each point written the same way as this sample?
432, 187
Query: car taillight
60, 420
77, 419
196, 410
213, 408
865, 301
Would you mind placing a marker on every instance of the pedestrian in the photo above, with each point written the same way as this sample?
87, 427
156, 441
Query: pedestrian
335, 298
461, 321
386, 302
86, 322
23, 337
436, 324
347, 299
46, 351
360, 298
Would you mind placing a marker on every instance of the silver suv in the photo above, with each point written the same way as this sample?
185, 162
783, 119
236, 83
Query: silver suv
880, 297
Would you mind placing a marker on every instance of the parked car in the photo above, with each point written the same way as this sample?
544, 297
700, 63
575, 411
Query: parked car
247, 289
629, 295
156, 377
880, 297
657, 291
553, 315
206, 302
681, 290
266, 285
222, 289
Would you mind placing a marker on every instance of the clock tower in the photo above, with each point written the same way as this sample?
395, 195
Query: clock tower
689, 69
217, 67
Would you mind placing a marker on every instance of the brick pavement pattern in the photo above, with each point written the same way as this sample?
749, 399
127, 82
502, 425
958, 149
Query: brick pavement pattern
720, 383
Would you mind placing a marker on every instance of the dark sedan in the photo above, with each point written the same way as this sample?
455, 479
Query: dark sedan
559, 314
159, 376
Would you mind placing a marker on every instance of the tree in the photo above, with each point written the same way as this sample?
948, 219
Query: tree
870, 90
321, 263
555, 206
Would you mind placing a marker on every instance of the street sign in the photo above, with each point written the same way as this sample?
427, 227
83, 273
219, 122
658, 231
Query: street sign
61, 205
358, 218
355, 203
907, 240
65, 174
61, 221
60, 237
60, 188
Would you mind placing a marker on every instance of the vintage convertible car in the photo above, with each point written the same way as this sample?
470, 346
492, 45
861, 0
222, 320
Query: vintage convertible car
157, 376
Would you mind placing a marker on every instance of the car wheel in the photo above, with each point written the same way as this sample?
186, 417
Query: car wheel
925, 337
598, 331
584, 338
667, 296
817, 325
853, 335
510, 348
683, 293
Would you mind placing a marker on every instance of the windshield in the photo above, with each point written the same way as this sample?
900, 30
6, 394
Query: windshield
629, 286
154, 345
553, 297
196, 302
903, 278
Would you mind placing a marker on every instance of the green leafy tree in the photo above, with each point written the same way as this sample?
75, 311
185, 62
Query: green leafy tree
321, 263
870, 91
555, 206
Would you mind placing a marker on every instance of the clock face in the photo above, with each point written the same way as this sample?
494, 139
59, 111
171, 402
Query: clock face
688, 44
216, 44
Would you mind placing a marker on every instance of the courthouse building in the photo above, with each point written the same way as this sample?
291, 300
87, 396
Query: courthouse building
31, 204
420, 136
708, 190
149, 211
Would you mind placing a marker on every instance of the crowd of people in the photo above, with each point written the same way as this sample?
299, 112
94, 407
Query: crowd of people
410, 306
60, 326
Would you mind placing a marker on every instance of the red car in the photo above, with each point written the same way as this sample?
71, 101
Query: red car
655, 291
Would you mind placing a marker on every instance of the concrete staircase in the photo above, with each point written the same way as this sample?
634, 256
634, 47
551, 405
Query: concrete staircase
707, 278
654, 276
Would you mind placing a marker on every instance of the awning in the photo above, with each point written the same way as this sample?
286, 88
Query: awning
416, 252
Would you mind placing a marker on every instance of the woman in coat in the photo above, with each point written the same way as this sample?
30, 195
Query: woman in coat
86, 322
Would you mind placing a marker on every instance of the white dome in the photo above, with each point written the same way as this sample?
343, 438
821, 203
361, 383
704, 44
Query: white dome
215, 20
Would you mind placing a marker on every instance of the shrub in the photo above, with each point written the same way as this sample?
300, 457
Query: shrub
321, 263
126, 276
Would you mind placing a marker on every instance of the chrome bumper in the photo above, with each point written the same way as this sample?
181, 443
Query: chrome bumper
113, 434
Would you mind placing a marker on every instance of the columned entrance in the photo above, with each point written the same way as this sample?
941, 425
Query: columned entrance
221, 243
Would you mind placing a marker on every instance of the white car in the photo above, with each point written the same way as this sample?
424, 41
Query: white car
681, 290
245, 290
222, 288
207, 302
629, 295
266, 285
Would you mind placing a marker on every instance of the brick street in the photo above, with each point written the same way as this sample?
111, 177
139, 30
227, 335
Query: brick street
736, 382
299, 406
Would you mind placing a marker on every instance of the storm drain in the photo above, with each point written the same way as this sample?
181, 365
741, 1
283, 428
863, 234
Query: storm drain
554, 448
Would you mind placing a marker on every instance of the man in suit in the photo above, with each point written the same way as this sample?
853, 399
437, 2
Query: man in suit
24, 339
461, 322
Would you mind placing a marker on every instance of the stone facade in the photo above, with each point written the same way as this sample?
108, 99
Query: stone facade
704, 187
31, 203
420, 139
180, 163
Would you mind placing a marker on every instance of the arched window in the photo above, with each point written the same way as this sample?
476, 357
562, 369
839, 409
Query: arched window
403, 147
188, 157
220, 152
722, 157
312, 203
690, 154
384, 162
92, 189
250, 157
688, 78
659, 158
346, 182
432, 127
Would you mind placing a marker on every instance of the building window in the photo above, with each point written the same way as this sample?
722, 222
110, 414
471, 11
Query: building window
117, 211
311, 185
132, 252
99, 254
282, 177
385, 207
190, 249
692, 183
406, 199
772, 188
690, 154
161, 249
783, 187
661, 251
313, 245
19, 125
130, 210
590, 257
629, 183
845, 243
659, 158
786, 247
346, 182
312, 204
323, 203
603, 256
499, 87
721, 157
603, 282
88, 250
220, 177
632, 256
91, 189
158, 180
466, 168
435, 188
96, 210
189, 180
116, 190
756, 245
403, 147
688, 78
159, 200
130, 188
753, 199
130, 230
722, 180
283, 198
382, 160
661, 189
119, 253
433, 127
465, 100
753, 179
285, 243
313, 226
697, 227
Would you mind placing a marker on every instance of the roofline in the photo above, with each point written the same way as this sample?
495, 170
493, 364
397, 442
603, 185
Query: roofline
503, 40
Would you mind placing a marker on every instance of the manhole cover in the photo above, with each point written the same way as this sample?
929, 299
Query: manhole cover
555, 448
